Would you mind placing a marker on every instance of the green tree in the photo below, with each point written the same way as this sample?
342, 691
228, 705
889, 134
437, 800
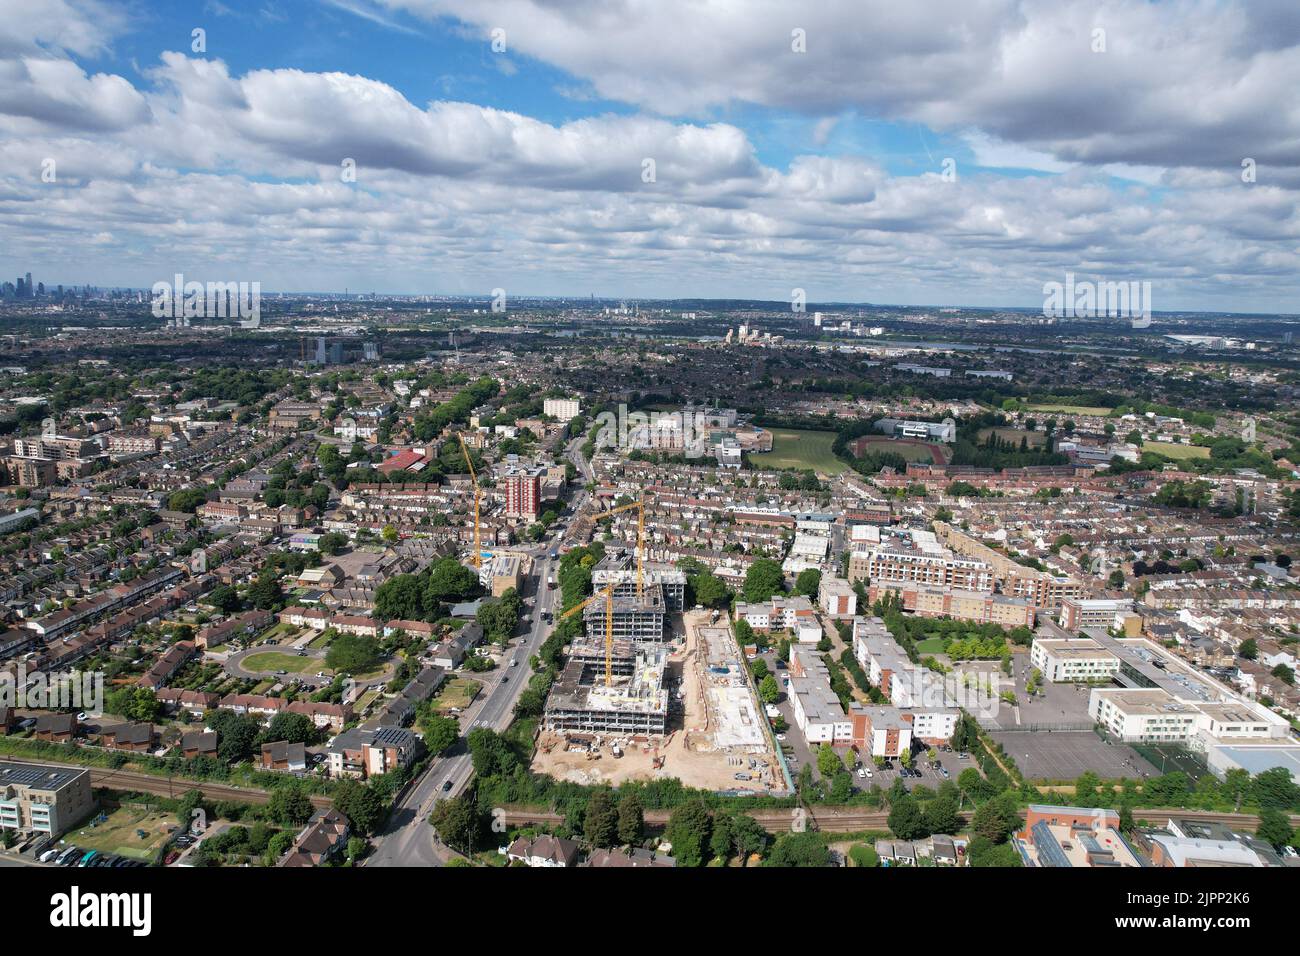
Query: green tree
997, 819
941, 815
491, 753
689, 827
295, 728
187, 500
828, 761
439, 732
289, 805
744, 632
1274, 827
905, 818
457, 823
600, 822
450, 581
361, 804
224, 598
352, 653
631, 819
265, 593
799, 850
763, 579
769, 690
710, 590
808, 582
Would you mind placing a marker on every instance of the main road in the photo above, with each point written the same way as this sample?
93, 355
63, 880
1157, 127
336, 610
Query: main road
408, 840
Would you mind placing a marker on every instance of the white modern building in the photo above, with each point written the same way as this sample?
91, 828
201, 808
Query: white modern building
1071, 660
563, 409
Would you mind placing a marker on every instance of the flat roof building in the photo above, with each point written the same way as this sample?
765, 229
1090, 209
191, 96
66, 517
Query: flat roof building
1069, 660
635, 706
43, 798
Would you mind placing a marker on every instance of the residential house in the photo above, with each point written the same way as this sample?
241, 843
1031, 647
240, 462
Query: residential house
545, 850
284, 756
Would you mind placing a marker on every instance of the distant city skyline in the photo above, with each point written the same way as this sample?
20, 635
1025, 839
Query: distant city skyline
660, 151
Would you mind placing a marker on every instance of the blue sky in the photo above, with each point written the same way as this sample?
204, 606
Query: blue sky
774, 169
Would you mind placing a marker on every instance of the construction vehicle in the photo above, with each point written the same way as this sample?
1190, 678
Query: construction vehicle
477, 557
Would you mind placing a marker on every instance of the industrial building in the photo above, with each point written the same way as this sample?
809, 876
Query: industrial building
635, 706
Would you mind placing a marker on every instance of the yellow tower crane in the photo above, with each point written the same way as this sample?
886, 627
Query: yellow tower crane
640, 539
478, 550
607, 593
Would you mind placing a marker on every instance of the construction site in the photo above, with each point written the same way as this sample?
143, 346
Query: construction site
634, 704
713, 736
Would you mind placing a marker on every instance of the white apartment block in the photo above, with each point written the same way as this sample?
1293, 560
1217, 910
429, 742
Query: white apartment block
1068, 660
817, 711
563, 409
934, 724
777, 614
837, 597
1153, 714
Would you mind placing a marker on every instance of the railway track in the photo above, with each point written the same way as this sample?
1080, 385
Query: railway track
175, 786
848, 820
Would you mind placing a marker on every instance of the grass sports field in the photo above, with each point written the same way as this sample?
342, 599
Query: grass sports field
275, 661
119, 833
1175, 450
1071, 409
800, 448
908, 448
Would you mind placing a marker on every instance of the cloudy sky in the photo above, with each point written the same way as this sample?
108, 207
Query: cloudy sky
935, 152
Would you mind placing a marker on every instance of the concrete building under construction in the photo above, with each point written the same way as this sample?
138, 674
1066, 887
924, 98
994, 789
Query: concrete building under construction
635, 706
638, 620
591, 654
619, 568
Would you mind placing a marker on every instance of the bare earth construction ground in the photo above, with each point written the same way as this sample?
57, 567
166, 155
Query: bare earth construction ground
718, 733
